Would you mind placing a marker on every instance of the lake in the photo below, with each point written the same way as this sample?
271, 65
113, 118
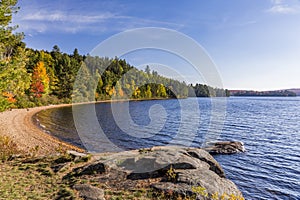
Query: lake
268, 126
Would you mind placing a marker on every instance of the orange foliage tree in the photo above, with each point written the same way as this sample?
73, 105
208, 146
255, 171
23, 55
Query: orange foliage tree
9, 96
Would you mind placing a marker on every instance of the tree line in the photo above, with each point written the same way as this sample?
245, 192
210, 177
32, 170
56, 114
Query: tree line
31, 78
278, 93
202, 90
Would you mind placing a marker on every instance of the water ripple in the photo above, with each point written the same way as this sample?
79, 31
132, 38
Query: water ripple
269, 127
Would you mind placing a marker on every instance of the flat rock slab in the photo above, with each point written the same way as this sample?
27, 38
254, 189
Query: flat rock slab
184, 171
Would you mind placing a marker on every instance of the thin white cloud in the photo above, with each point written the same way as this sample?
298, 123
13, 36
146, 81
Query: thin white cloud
37, 20
59, 16
280, 7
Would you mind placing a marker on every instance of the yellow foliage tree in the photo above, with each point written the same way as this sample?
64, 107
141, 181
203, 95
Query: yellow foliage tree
40, 77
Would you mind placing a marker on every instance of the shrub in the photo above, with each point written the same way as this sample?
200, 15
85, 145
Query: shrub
8, 148
53, 99
200, 190
24, 102
171, 174
4, 104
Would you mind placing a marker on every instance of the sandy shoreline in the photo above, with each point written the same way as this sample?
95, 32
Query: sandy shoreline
18, 125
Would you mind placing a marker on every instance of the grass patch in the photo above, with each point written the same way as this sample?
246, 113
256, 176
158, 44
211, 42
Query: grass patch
19, 182
33, 178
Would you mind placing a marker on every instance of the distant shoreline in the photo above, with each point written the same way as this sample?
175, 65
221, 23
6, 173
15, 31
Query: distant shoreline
261, 96
273, 93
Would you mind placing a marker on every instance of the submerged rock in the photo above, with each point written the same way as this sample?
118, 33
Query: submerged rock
181, 171
225, 147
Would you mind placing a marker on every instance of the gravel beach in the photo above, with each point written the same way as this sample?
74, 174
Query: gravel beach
18, 125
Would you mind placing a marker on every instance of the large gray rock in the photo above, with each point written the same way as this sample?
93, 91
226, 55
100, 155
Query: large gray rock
184, 171
148, 161
192, 168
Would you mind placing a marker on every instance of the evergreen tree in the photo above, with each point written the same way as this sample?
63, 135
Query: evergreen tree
147, 70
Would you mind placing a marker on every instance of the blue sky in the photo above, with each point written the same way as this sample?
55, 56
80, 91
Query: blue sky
255, 44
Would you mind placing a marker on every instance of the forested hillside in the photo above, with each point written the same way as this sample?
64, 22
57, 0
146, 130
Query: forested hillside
36, 77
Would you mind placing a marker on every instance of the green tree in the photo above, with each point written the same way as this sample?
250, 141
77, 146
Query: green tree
85, 88
147, 70
227, 93
66, 68
14, 79
161, 91
148, 93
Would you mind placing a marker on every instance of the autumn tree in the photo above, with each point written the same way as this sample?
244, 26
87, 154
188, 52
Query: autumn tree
161, 91
148, 93
14, 79
40, 80
118, 91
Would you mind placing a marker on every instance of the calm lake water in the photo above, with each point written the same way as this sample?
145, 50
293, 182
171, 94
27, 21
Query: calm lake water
269, 127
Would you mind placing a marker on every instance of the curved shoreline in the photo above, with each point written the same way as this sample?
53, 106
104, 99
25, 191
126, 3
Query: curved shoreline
18, 124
